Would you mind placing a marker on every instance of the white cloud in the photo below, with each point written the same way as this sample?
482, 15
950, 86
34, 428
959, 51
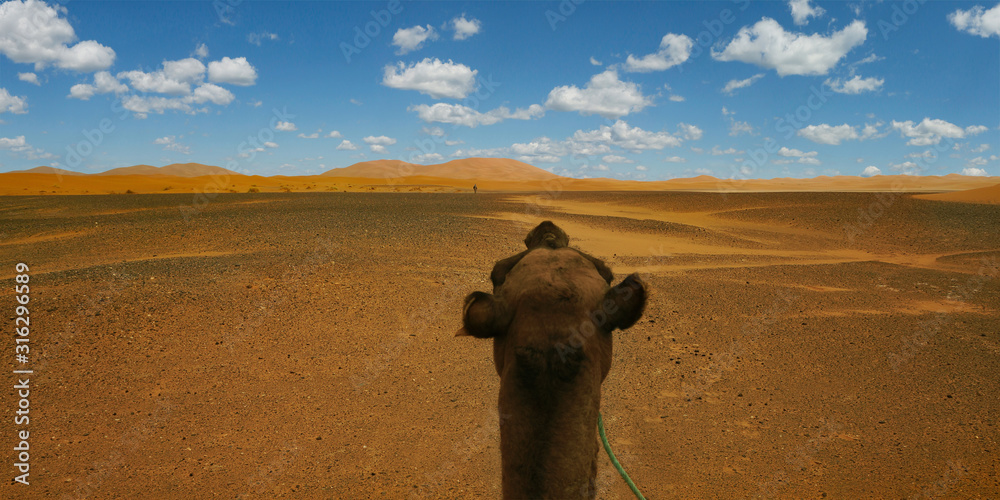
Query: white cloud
28, 77
201, 51
975, 129
726, 112
458, 114
928, 154
314, 135
582, 143
378, 144
604, 95
14, 104
271, 144
982, 148
855, 85
464, 28
142, 106
156, 82
15, 144
170, 143
233, 71
977, 21
871, 131
871, 171
628, 138
542, 146
346, 145
256, 38
870, 59
929, 132
188, 70
739, 84
689, 132
802, 11
795, 153
809, 161
674, 49
768, 45
675, 159
641, 168
432, 77
427, 157
716, 151
676, 98
256, 103
410, 39
540, 159
978, 161
595, 62
333, 134
285, 127
210, 92
906, 168
975, 172
828, 134
737, 127
33, 32
21, 148
616, 159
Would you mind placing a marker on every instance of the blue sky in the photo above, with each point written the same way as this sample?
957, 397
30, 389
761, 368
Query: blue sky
651, 91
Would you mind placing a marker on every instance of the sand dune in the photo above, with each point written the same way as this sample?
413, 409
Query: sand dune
489, 174
467, 168
990, 194
176, 169
47, 170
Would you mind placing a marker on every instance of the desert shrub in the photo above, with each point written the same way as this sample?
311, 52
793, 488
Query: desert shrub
254, 190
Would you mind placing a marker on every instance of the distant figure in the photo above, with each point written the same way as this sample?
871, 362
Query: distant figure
474, 189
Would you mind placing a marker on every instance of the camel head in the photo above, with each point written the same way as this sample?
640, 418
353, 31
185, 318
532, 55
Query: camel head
551, 320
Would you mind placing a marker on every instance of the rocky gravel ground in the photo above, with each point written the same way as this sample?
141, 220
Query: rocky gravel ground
301, 346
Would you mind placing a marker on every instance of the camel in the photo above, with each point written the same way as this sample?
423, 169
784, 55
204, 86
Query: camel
551, 315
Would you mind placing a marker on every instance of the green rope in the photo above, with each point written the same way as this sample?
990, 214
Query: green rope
611, 455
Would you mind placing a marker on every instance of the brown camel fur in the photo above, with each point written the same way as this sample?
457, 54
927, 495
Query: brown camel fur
550, 316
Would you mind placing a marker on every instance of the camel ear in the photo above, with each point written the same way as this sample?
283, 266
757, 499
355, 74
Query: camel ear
482, 316
625, 302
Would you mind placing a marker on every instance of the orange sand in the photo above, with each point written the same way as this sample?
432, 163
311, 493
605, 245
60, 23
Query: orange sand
989, 195
490, 174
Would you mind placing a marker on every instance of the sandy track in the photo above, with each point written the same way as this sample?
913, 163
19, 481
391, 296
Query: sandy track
300, 345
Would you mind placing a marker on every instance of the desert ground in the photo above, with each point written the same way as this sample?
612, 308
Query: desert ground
280, 345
